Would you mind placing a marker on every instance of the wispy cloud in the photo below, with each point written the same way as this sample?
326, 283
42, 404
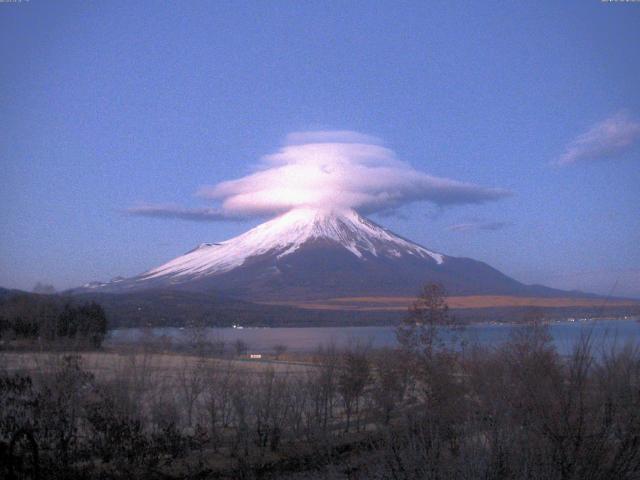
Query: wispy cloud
609, 138
327, 169
182, 213
476, 226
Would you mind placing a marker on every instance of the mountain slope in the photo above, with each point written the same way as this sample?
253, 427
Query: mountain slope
287, 234
313, 254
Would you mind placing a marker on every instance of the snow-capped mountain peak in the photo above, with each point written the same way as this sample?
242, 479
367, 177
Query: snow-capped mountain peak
288, 233
310, 254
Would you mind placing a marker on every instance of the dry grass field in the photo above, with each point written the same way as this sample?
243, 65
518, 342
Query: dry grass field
472, 301
107, 364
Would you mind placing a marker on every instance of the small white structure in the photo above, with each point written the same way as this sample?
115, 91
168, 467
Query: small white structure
255, 356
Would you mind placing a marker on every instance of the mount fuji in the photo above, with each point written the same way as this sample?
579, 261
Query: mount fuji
310, 253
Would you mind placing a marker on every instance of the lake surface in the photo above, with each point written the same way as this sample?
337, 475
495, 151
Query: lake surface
263, 340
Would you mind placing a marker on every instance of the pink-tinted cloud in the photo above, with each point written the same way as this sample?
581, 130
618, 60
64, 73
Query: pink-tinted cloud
606, 139
341, 170
327, 169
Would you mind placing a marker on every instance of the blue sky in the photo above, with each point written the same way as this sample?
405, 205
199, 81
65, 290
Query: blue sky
113, 105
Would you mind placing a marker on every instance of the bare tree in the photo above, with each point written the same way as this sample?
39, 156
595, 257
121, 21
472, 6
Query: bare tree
241, 347
354, 375
197, 336
391, 377
324, 383
191, 381
419, 333
279, 350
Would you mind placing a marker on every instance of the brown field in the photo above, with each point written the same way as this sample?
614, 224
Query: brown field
108, 364
473, 301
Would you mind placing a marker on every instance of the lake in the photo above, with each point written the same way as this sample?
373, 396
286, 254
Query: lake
263, 340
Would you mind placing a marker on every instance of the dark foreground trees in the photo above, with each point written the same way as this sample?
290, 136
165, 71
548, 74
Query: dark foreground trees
52, 319
519, 410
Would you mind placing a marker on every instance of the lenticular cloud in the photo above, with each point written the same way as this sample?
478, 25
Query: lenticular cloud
325, 169
340, 169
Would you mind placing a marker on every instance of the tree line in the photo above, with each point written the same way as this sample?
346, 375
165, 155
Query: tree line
51, 319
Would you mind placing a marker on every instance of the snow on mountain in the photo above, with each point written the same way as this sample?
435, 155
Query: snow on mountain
284, 235
308, 254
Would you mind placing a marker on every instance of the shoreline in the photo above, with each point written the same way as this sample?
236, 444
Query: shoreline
482, 323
